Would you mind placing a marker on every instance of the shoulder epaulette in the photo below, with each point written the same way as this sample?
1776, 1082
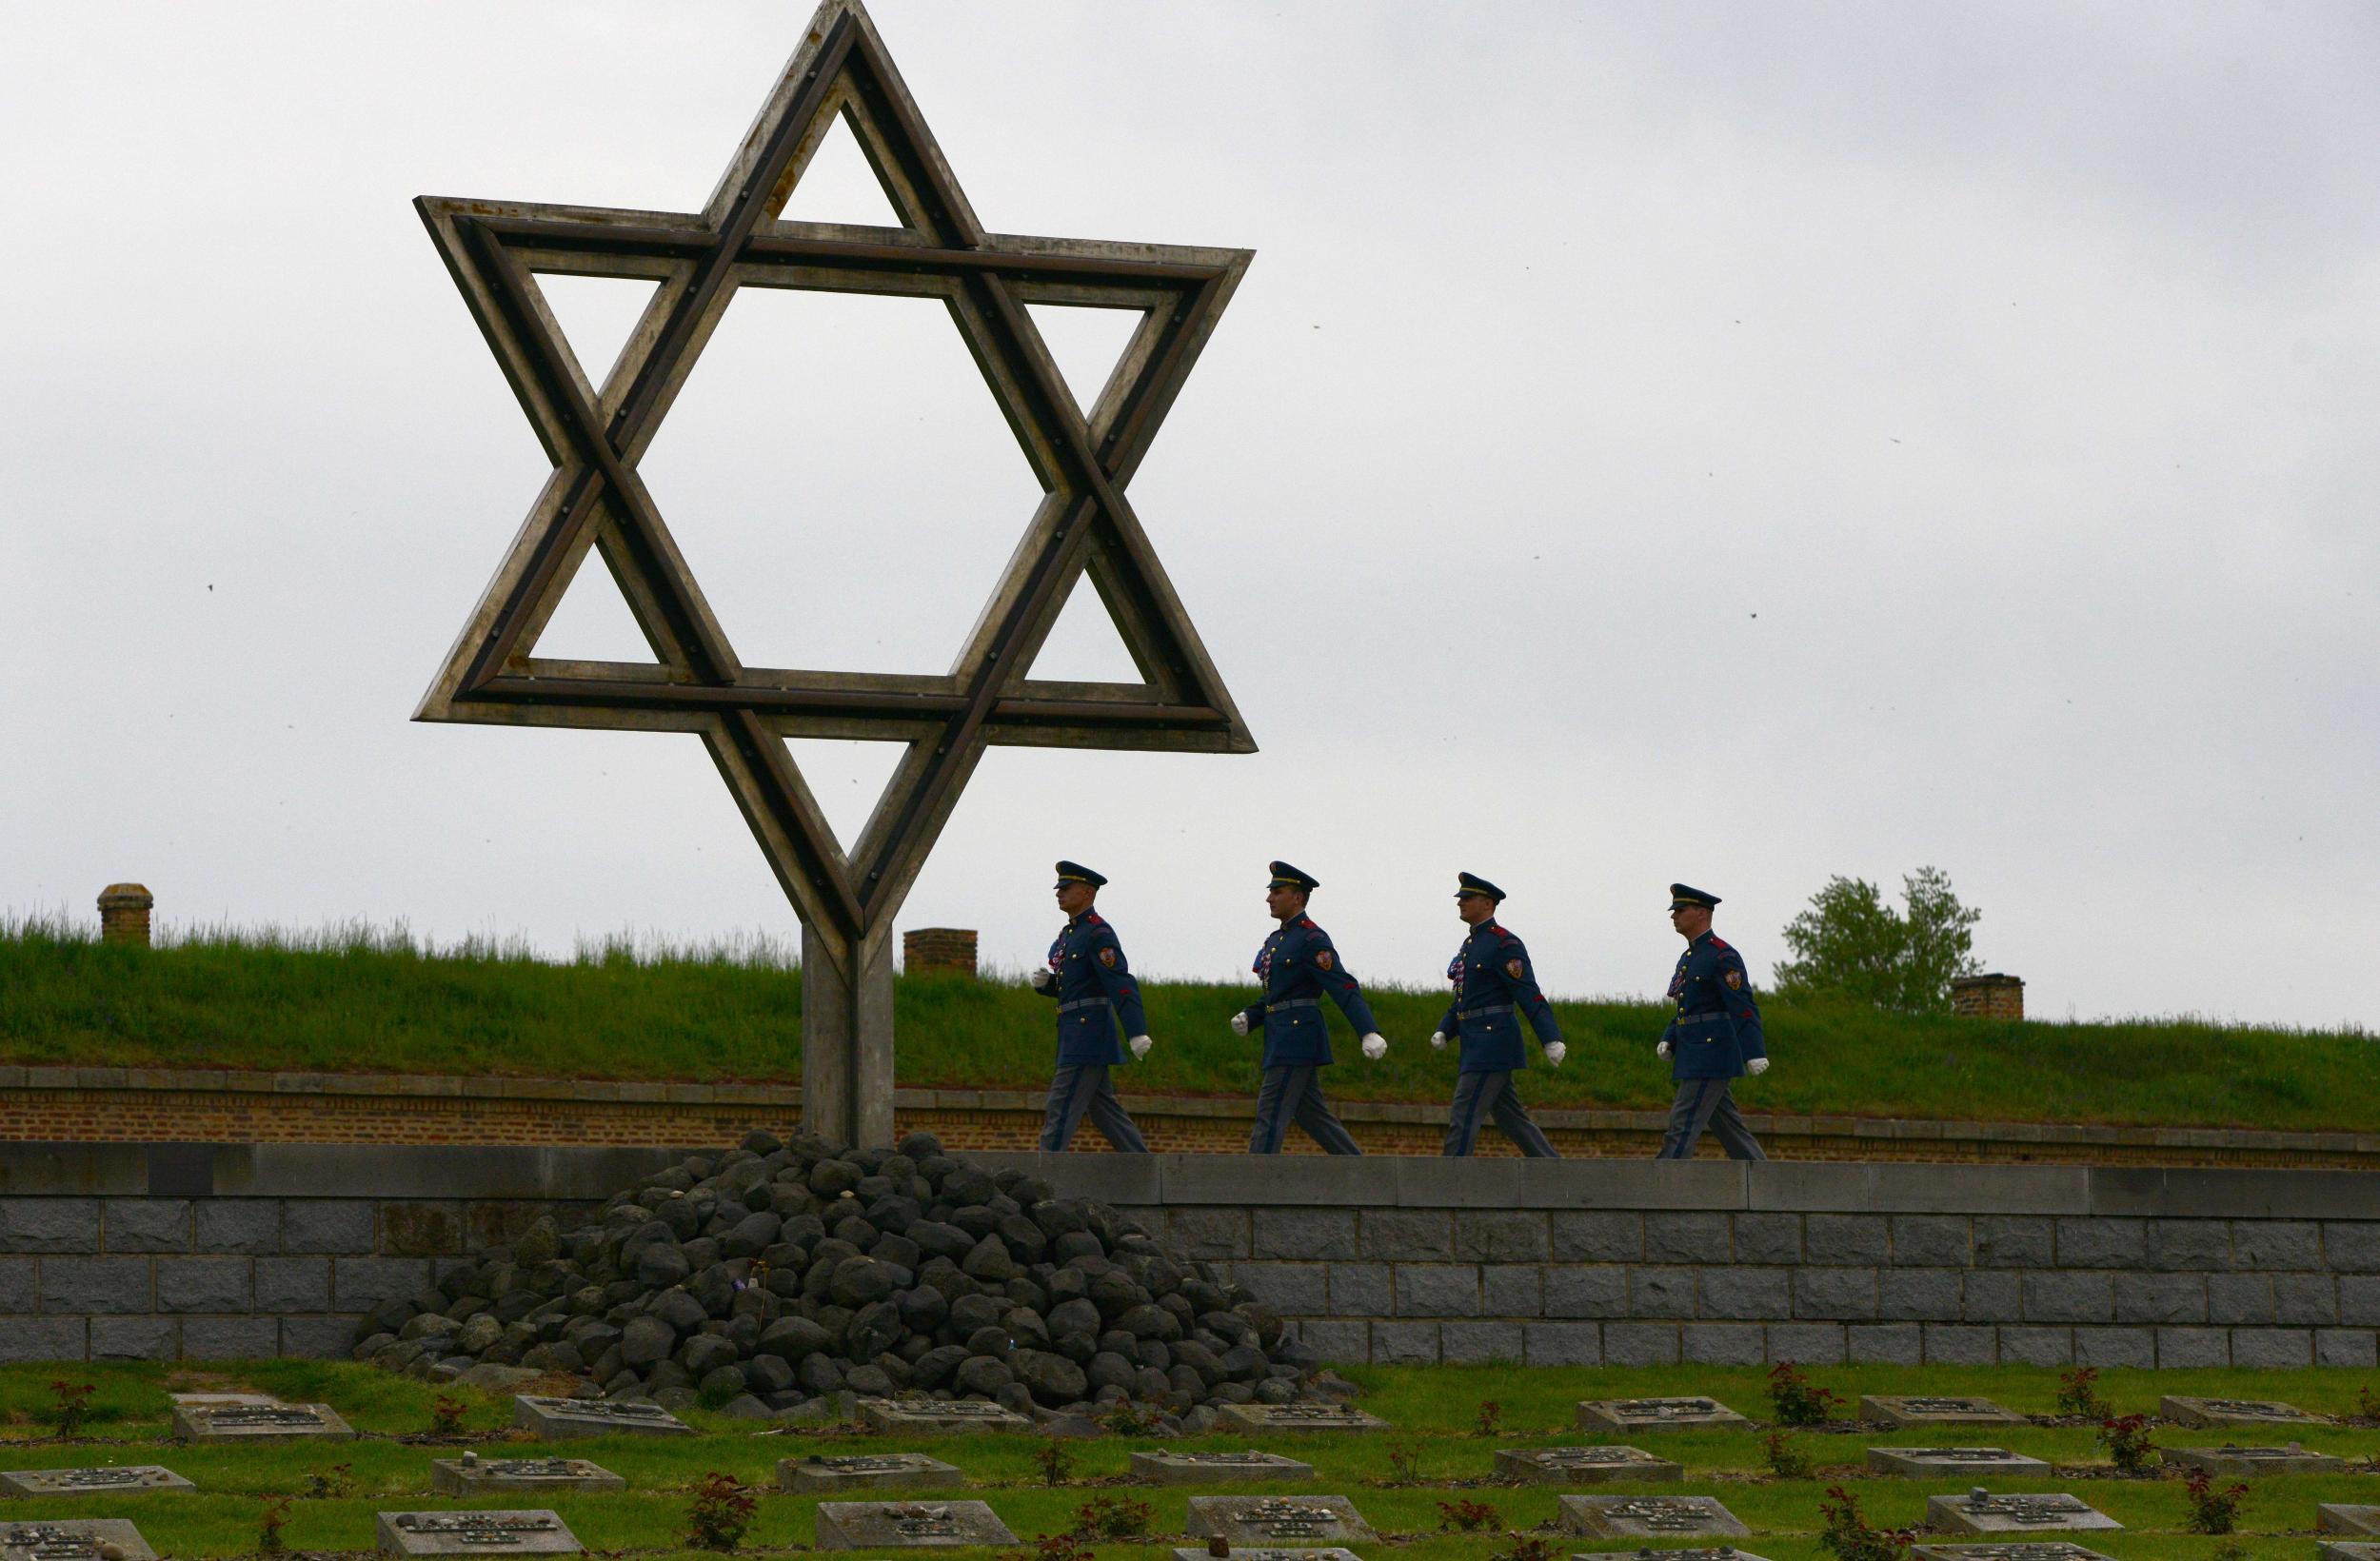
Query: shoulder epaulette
1307, 923
1718, 942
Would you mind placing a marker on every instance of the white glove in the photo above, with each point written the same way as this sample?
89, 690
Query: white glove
1555, 1052
1239, 1025
1662, 1050
1374, 1046
1438, 1040
1042, 978
1140, 1046
1757, 1066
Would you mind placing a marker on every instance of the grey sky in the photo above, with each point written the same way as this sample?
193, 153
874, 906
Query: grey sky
1731, 444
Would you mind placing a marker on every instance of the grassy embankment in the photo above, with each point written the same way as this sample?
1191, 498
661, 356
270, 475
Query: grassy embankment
371, 1001
1435, 1410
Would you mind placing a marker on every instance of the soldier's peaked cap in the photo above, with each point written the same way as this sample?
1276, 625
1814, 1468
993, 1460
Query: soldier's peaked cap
1286, 877
1473, 884
1074, 871
1684, 895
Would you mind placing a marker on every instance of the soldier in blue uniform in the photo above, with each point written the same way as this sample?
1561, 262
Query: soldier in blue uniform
1298, 965
1714, 1035
1495, 991
1092, 984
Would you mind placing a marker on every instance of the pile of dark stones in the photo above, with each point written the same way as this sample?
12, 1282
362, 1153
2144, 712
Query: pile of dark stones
782, 1280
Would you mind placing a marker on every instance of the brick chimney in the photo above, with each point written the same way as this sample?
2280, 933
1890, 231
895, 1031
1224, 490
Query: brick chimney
124, 914
941, 951
1993, 996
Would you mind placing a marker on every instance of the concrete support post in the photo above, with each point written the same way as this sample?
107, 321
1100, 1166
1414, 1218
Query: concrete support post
847, 1044
124, 914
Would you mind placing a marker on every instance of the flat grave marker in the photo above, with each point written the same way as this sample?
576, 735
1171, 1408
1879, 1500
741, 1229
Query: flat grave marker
1951, 1463
2253, 1461
472, 1475
1584, 1465
1699, 1552
823, 1475
532, 1533
1271, 1553
1298, 1418
1981, 1512
2039, 1549
209, 1400
1655, 1413
122, 1480
1278, 1520
1903, 1411
908, 1525
559, 1417
2233, 1412
2334, 1518
2348, 1550
260, 1423
1167, 1467
925, 1416
74, 1540
1650, 1517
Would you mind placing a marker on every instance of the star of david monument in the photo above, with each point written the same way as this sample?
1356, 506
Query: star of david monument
595, 503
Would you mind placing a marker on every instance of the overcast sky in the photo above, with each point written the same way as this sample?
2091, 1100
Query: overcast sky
1722, 442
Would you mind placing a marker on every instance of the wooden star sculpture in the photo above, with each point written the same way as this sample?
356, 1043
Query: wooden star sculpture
695, 682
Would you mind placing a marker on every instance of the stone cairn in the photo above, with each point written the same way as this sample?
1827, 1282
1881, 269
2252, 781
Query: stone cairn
776, 1277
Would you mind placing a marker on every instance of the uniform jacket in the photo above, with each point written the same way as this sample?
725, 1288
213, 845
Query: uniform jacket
1298, 965
1495, 989
1718, 1026
1094, 989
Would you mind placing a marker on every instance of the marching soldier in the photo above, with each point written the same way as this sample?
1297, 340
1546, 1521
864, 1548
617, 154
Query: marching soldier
1092, 984
1493, 992
1714, 1038
1297, 965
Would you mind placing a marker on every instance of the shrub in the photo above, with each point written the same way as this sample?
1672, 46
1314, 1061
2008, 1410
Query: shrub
2211, 1511
1489, 1420
70, 1405
1849, 1536
1054, 1459
2078, 1394
1786, 1459
2126, 1437
445, 1415
1404, 1463
722, 1511
1053, 1548
1112, 1517
1130, 1419
1797, 1402
276, 1517
1523, 1548
332, 1483
1465, 1517
1849, 940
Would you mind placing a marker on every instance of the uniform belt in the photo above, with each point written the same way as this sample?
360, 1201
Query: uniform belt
1294, 1003
1703, 1018
1082, 1002
1475, 1012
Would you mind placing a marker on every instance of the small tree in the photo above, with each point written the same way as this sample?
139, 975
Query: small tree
1850, 942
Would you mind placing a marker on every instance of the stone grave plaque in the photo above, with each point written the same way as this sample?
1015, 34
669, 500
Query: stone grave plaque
470, 1474
1655, 1413
558, 1417
929, 1418
1650, 1517
213, 1400
260, 1423
2334, 1518
74, 1540
1271, 1553
1583, 1465
1699, 1552
536, 1532
1981, 1512
1298, 1418
1902, 1410
127, 1480
2348, 1550
1167, 1467
1951, 1463
2254, 1461
2036, 1549
908, 1525
1278, 1520
2233, 1412
823, 1475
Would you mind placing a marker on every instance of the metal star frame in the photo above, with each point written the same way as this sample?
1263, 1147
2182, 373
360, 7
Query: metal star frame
595, 499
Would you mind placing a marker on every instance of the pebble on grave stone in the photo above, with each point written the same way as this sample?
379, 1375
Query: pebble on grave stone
2334, 1518
1981, 1512
123, 1480
1649, 1517
1163, 1467
1950, 1463
1278, 1520
260, 1423
1655, 1413
1298, 1417
2048, 1549
1909, 1411
1584, 1465
823, 1475
558, 1417
2232, 1412
535, 1531
930, 1417
908, 1525
2348, 1550
470, 1475
2254, 1461
1699, 1553
1271, 1553
73, 1539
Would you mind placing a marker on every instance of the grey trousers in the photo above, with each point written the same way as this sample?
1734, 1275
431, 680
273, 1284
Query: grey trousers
1085, 1089
1295, 1094
1481, 1095
1707, 1103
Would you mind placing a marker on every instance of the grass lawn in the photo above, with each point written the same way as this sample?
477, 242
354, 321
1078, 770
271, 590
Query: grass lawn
1435, 1410
364, 1001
